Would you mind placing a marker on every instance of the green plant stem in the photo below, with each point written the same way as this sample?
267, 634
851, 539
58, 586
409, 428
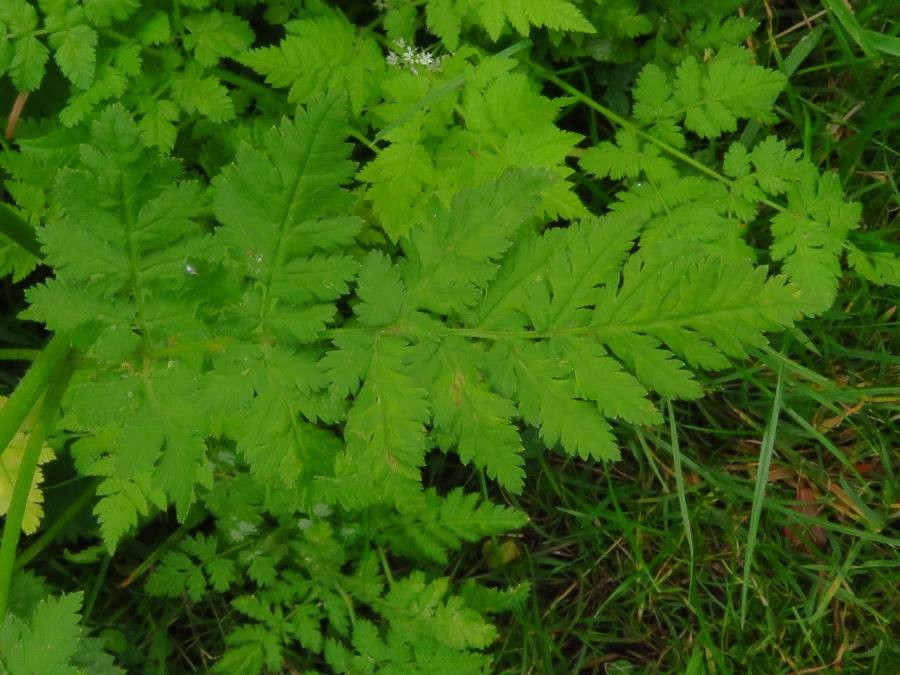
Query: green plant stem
43, 372
148, 562
50, 533
95, 589
12, 528
258, 89
14, 354
20, 232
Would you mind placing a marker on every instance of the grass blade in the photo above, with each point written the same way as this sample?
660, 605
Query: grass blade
759, 491
851, 24
679, 486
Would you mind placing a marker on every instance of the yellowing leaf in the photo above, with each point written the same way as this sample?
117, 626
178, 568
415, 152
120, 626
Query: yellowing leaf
10, 462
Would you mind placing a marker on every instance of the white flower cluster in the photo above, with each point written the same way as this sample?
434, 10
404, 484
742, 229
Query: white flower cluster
383, 5
407, 56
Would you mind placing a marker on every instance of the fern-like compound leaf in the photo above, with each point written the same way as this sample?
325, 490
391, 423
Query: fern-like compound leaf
321, 54
285, 236
142, 432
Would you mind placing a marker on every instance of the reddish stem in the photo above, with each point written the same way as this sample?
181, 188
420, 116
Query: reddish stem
15, 113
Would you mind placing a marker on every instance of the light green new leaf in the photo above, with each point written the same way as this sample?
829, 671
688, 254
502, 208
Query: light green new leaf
444, 20
399, 179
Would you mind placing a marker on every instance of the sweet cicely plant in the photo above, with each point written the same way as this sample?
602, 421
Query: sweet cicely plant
287, 259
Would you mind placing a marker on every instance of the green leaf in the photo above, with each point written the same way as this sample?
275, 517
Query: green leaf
75, 52
415, 606
730, 304
385, 431
156, 30
451, 256
399, 177
714, 96
321, 55
508, 126
204, 95
102, 13
281, 233
475, 419
601, 378
47, 642
444, 20
809, 237
445, 16
381, 291
125, 204
19, 16
27, 65
879, 267
442, 524
158, 124
275, 203
546, 394
216, 35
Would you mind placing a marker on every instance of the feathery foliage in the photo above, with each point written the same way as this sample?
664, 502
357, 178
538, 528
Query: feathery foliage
302, 261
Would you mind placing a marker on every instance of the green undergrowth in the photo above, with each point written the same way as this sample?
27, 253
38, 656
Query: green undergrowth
447, 336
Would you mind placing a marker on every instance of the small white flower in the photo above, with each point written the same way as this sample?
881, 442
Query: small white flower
241, 530
408, 56
322, 510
